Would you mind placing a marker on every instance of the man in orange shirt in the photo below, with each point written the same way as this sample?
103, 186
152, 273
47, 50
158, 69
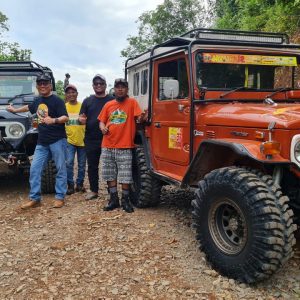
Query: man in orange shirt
117, 122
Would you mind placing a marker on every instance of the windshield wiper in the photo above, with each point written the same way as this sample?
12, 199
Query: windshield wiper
20, 95
278, 91
234, 90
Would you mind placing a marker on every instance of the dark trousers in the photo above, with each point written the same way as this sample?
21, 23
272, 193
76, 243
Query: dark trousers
93, 152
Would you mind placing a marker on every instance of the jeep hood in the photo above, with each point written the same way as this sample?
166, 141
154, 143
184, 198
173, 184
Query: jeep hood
286, 116
5, 115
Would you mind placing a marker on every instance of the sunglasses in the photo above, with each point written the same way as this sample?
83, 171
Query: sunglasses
43, 83
99, 83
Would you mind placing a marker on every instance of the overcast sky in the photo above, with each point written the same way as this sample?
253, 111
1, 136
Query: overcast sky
80, 37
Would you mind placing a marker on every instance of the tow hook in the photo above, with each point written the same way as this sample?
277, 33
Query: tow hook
11, 160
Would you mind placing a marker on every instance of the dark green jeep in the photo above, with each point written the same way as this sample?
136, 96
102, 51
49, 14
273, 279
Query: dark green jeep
18, 133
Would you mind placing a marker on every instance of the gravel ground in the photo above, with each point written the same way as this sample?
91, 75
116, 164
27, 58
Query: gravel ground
81, 252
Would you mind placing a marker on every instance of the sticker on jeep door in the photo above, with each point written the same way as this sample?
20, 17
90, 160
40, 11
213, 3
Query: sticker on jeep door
175, 138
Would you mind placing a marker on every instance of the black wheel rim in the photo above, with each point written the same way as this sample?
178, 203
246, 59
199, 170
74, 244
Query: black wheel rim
227, 226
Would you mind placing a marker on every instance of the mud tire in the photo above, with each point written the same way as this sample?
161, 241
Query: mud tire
243, 223
146, 190
287, 216
48, 178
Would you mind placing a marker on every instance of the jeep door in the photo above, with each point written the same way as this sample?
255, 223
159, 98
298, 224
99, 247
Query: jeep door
170, 118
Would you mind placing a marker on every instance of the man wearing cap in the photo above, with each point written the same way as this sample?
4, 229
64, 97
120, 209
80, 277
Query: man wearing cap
75, 136
90, 109
117, 123
52, 116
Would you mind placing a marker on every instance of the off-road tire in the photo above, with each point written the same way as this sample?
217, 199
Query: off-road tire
48, 178
282, 203
243, 223
296, 209
145, 190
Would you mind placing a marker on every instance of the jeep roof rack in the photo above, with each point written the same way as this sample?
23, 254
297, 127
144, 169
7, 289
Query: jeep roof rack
23, 65
26, 66
237, 36
224, 37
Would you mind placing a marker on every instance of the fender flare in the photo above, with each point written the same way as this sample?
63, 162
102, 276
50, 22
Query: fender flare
215, 154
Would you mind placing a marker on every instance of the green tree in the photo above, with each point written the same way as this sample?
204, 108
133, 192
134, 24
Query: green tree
60, 89
10, 51
258, 15
3, 23
172, 18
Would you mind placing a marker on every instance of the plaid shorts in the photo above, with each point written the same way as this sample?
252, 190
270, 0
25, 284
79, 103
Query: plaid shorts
117, 165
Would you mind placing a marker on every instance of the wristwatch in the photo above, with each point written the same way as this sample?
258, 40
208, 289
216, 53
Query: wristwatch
56, 121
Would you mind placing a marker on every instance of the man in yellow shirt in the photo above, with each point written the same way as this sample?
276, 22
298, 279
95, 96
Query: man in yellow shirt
75, 135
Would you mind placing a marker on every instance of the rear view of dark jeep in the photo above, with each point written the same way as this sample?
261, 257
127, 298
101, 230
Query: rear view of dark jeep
18, 133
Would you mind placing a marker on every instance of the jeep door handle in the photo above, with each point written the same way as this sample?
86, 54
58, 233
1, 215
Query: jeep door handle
157, 125
180, 107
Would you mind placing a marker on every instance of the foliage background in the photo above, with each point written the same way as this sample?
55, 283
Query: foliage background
60, 89
10, 51
175, 17
258, 15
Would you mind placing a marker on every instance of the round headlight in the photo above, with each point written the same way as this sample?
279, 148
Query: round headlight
16, 130
297, 151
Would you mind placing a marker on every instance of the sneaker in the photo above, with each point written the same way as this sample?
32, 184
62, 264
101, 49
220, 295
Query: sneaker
58, 203
80, 188
30, 204
70, 189
91, 196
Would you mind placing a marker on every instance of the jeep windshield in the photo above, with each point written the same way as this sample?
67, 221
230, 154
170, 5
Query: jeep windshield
238, 72
12, 85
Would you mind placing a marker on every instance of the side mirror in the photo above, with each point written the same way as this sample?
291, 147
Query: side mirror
271, 126
171, 88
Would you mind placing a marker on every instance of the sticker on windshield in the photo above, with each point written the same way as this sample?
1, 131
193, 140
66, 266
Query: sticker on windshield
242, 59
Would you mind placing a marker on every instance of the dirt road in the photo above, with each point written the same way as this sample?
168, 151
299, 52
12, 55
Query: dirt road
81, 252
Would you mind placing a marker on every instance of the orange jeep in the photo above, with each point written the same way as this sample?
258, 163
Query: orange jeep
224, 117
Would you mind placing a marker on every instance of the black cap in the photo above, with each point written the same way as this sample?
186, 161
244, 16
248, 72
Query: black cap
121, 81
43, 77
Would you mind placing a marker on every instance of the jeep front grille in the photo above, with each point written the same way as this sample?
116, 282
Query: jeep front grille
2, 130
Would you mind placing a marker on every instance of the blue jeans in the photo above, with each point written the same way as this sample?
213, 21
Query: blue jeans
81, 161
57, 151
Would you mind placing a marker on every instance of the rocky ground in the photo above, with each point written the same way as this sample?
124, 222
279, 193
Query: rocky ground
81, 252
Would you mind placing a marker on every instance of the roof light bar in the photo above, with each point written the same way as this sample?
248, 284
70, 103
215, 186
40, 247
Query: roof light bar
242, 38
23, 64
238, 36
15, 65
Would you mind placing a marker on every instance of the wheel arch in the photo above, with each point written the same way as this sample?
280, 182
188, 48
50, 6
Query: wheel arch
215, 154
